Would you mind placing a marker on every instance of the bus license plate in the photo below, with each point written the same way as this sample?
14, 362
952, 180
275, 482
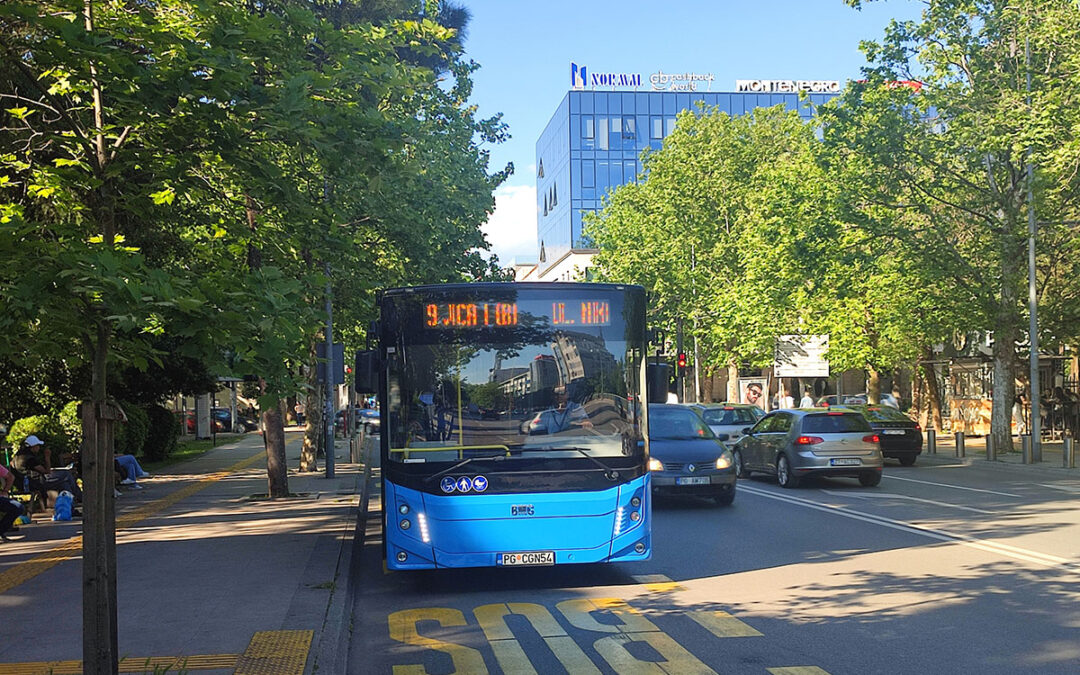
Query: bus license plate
528, 558
844, 461
692, 480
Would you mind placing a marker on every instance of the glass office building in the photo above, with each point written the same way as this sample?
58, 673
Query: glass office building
593, 144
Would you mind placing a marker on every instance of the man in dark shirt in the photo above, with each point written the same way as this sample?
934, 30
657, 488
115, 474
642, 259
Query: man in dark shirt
32, 461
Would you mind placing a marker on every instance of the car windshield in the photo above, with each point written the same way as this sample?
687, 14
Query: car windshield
885, 414
676, 424
834, 423
729, 416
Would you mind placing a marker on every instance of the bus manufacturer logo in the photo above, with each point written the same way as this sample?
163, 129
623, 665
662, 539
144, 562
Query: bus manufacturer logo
479, 483
522, 510
464, 484
448, 484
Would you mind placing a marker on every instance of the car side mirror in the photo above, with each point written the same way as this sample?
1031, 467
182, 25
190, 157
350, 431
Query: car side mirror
747, 431
722, 437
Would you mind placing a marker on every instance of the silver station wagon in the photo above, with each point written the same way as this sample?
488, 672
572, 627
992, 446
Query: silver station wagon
793, 444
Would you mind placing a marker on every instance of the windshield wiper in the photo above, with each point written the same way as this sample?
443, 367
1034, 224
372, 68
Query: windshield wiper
460, 464
609, 473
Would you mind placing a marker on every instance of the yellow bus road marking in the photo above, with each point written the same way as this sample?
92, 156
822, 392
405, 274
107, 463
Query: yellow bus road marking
723, 625
658, 583
275, 652
403, 629
72, 548
798, 670
129, 664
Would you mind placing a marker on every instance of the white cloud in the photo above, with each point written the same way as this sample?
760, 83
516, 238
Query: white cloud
511, 229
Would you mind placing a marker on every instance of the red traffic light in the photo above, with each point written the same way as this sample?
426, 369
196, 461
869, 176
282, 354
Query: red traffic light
680, 360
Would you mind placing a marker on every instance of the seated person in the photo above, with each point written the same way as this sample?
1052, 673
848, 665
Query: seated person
9, 508
132, 470
32, 461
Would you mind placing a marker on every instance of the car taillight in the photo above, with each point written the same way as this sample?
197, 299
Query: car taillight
918, 427
872, 438
809, 440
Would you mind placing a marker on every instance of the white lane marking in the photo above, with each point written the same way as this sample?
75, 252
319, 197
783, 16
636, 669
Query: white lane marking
893, 495
1044, 559
955, 487
1063, 488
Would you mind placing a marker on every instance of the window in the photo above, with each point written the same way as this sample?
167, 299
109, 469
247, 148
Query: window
601, 133
588, 132
669, 126
540, 170
588, 173
657, 128
629, 132
834, 424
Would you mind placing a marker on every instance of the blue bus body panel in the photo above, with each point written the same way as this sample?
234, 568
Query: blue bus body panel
471, 530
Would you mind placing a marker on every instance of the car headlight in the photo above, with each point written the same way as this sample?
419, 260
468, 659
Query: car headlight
655, 465
723, 461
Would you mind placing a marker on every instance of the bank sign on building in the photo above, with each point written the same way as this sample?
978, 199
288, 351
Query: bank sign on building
595, 137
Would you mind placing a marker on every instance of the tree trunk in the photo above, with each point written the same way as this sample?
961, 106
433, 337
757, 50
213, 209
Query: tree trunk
873, 386
313, 439
274, 440
933, 393
707, 388
1006, 332
918, 396
732, 382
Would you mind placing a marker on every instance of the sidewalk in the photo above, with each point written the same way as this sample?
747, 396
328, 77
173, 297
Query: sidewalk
975, 453
210, 578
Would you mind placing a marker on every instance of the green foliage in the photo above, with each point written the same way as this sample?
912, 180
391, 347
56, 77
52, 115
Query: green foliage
71, 423
130, 436
163, 430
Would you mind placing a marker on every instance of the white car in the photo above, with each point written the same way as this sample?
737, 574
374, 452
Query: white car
728, 419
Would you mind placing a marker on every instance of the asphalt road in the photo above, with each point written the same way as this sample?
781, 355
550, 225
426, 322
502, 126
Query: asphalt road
940, 569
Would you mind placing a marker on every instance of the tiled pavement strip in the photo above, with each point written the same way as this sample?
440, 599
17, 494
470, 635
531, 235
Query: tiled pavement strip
268, 653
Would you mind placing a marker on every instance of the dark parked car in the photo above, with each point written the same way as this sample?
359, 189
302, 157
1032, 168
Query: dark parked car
793, 444
686, 457
901, 436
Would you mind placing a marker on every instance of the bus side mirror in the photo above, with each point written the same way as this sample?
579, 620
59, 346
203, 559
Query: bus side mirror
367, 372
657, 377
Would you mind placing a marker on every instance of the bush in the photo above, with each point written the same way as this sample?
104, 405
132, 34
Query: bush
71, 423
45, 427
131, 435
164, 430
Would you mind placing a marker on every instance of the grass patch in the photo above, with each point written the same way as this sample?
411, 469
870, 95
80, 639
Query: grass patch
188, 449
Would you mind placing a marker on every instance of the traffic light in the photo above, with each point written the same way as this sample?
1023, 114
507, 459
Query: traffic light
680, 361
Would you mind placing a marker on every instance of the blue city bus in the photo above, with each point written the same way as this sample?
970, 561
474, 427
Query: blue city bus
512, 426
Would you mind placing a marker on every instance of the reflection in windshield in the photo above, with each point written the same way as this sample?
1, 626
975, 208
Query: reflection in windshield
549, 389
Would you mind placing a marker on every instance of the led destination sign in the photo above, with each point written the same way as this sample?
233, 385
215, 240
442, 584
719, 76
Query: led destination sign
505, 314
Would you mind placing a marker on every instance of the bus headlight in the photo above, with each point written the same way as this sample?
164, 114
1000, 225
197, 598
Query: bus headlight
655, 465
723, 461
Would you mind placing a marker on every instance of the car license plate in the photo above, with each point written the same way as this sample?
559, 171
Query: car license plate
893, 432
845, 461
527, 558
692, 480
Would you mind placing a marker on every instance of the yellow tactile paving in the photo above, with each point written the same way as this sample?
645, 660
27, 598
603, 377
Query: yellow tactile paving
72, 548
130, 664
275, 652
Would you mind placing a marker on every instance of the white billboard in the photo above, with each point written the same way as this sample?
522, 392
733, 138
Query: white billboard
801, 356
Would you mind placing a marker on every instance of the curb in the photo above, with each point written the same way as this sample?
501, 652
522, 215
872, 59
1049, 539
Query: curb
332, 651
997, 465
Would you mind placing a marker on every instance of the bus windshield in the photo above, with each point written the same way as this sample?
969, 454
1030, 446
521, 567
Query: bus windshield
514, 373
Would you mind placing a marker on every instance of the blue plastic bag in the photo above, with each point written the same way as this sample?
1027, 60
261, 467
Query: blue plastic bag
65, 502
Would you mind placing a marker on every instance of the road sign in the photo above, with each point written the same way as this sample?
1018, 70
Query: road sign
801, 356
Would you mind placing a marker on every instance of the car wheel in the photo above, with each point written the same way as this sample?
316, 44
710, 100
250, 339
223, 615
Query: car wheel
784, 474
870, 479
907, 460
740, 467
725, 498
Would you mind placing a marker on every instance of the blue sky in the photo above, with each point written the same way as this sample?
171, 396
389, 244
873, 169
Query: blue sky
525, 49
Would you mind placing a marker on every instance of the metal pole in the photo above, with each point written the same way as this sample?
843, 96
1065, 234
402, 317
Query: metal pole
1025, 449
990, 455
678, 350
1067, 453
1033, 328
931, 441
959, 450
329, 408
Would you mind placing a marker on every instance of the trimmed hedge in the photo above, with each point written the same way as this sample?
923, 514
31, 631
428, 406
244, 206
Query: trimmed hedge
130, 436
163, 432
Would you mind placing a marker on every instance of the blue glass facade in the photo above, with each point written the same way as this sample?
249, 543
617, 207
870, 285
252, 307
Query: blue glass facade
593, 144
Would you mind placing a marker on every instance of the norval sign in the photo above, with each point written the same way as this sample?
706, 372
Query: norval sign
581, 77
